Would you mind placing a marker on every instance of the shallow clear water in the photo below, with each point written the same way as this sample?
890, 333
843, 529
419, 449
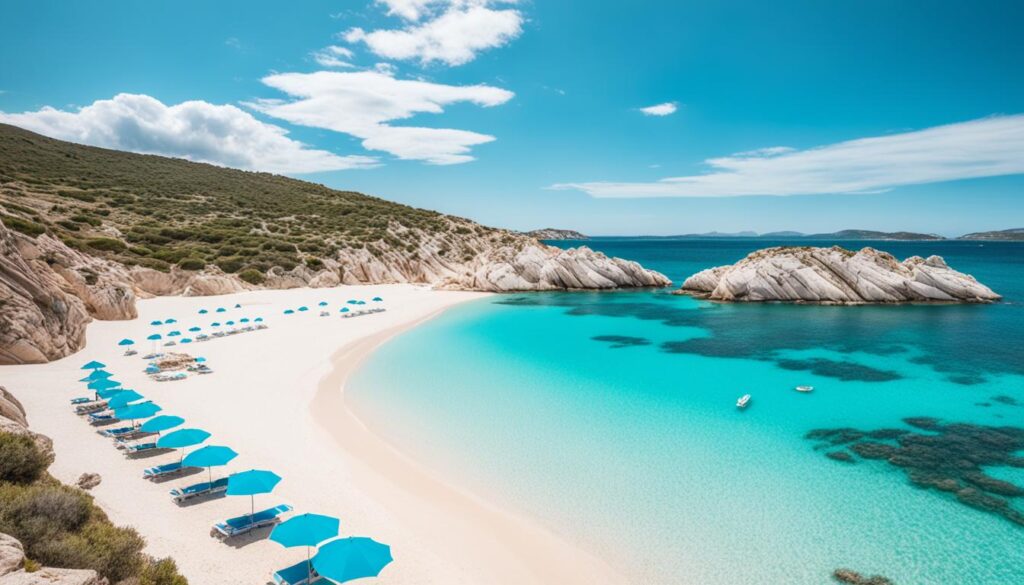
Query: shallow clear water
610, 418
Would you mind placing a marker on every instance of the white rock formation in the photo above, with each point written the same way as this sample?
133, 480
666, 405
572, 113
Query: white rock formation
837, 276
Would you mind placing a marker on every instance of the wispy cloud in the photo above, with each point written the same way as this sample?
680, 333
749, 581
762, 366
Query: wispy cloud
665, 109
452, 32
196, 130
986, 147
333, 56
363, 104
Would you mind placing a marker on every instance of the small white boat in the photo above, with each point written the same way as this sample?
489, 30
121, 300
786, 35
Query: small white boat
804, 388
743, 401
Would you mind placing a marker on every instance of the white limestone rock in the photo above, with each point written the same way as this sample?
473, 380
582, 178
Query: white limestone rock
836, 276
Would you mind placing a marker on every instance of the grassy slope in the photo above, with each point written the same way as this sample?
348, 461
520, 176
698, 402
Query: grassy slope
171, 211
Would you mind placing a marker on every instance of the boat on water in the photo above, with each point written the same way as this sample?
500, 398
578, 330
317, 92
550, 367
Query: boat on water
743, 401
805, 388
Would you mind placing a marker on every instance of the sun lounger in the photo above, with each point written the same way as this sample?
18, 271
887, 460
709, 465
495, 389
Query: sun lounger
152, 356
136, 448
297, 574
248, 523
130, 352
99, 417
82, 400
165, 470
206, 488
90, 407
119, 433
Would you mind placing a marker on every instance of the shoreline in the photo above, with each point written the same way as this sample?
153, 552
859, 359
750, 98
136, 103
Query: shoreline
517, 551
268, 399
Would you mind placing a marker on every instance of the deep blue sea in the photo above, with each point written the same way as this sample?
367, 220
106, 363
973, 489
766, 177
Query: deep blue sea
610, 418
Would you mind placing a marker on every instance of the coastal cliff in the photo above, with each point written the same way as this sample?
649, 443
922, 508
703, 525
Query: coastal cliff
836, 276
85, 231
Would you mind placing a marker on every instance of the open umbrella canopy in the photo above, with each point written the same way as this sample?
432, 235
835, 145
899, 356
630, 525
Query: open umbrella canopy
182, 438
209, 456
238, 305
305, 530
126, 341
303, 308
156, 322
215, 324
352, 302
161, 423
343, 310
137, 411
322, 303
94, 365
170, 321
229, 323
377, 299
203, 311
243, 320
221, 310
122, 398
252, 482
200, 359
108, 393
174, 333
258, 319
155, 337
195, 328
351, 558
186, 340
97, 375
288, 311
105, 384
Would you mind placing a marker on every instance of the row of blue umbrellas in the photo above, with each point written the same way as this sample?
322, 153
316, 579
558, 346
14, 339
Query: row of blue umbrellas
340, 560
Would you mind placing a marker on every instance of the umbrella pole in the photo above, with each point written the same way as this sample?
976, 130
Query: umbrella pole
252, 507
309, 567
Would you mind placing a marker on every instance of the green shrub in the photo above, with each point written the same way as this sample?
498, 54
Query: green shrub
252, 276
192, 264
20, 459
314, 263
106, 244
29, 228
231, 263
161, 572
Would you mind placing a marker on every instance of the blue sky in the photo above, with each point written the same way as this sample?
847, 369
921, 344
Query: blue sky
530, 114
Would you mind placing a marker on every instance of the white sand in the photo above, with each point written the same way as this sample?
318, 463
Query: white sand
277, 398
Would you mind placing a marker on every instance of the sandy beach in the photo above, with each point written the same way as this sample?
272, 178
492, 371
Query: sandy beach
277, 397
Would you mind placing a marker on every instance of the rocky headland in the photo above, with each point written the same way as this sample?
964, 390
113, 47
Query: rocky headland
836, 276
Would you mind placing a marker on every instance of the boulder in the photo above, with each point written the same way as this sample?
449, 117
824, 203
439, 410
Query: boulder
87, 481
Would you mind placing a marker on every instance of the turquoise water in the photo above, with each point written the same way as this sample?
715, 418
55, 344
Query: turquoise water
610, 418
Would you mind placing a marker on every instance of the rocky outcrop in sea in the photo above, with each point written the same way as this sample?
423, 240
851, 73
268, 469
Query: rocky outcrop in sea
836, 276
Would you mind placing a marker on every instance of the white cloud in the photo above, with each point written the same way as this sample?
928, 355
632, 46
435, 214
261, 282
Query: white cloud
363, 103
333, 56
986, 147
453, 35
664, 109
195, 130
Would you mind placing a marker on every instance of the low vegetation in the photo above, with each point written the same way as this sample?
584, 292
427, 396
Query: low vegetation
160, 212
60, 526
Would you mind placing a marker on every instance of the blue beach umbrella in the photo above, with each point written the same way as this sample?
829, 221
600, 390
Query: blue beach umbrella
377, 299
93, 365
200, 359
156, 322
161, 423
221, 310
174, 333
288, 311
126, 341
307, 530
106, 393
155, 337
258, 319
215, 324
352, 302
137, 411
361, 303
203, 311
182, 438
105, 384
186, 340
252, 482
170, 321
345, 559
97, 375
322, 303
209, 457
343, 310
238, 305
303, 308
229, 323
243, 320
195, 328
122, 398
152, 369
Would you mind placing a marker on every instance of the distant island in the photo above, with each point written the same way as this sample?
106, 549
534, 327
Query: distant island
805, 274
1012, 235
557, 234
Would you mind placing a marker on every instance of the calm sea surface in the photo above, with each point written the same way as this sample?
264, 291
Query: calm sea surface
611, 419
